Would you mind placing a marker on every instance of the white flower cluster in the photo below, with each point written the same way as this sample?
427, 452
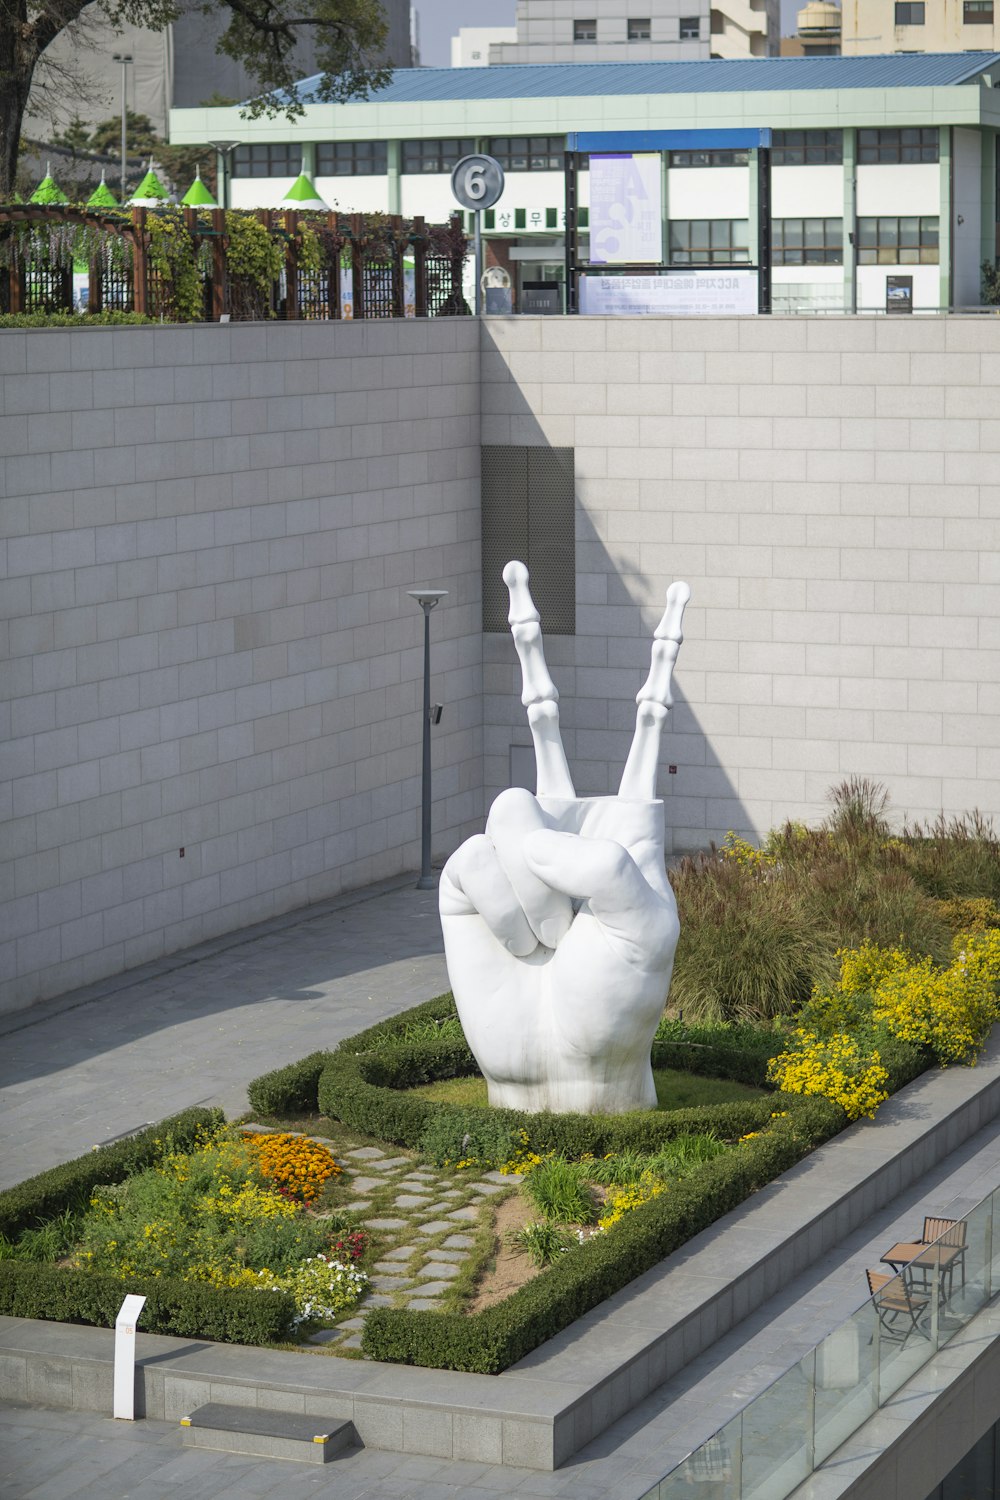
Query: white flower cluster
322, 1287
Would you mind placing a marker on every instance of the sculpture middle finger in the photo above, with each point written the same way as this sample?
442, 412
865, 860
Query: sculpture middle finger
514, 815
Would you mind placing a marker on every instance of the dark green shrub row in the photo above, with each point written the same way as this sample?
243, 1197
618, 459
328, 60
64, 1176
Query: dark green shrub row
293, 1090
369, 1091
43, 1197
108, 318
186, 1309
290, 1090
493, 1340
738, 1052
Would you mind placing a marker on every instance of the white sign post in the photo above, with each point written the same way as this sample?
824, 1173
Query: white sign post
477, 182
128, 1316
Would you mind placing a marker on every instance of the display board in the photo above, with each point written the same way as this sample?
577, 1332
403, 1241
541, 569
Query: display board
626, 209
670, 294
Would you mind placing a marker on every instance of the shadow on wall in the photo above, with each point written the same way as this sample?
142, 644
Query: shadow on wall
599, 651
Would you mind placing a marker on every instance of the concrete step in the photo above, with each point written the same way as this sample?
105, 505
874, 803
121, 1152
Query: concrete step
265, 1434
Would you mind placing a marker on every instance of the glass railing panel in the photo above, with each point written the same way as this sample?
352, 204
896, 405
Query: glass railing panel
906, 1332
846, 1385
713, 1469
966, 1270
777, 1435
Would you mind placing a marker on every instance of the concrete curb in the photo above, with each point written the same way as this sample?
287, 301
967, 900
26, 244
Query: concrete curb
560, 1397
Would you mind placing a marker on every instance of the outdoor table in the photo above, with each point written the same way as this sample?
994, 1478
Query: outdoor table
905, 1253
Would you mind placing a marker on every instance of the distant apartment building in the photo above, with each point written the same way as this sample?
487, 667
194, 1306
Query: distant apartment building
919, 26
470, 47
566, 31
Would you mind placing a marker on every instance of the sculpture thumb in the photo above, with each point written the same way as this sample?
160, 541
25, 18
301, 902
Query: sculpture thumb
600, 872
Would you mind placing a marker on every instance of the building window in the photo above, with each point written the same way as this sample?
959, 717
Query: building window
351, 159
709, 158
801, 148
436, 155
528, 512
898, 242
807, 242
909, 13
906, 145
267, 161
529, 153
639, 31
709, 241
585, 31
690, 28
977, 12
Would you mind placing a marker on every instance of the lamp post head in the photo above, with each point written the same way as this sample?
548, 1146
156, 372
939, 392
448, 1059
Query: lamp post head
121, 57
427, 598
225, 146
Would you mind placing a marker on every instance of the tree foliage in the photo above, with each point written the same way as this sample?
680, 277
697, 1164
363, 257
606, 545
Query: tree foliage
260, 34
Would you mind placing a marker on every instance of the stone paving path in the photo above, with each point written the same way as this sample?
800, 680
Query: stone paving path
424, 1218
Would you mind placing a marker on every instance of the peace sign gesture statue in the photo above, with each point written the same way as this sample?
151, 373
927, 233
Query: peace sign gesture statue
559, 922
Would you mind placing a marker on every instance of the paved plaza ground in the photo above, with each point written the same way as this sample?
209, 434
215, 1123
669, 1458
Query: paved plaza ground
195, 1029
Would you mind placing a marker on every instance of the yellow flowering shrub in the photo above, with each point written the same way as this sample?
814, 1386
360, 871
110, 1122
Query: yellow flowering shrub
525, 1159
863, 969
833, 1067
949, 1011
970, 913
294, 1164
621, 1200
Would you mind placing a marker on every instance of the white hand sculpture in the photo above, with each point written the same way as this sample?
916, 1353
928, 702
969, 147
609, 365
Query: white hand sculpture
559, 922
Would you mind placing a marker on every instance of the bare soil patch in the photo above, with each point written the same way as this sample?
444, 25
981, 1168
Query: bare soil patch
510, 1268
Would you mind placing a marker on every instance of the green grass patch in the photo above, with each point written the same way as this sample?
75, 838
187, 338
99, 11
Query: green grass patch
674, 1090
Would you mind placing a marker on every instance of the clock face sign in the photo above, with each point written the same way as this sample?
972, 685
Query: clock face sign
477, 181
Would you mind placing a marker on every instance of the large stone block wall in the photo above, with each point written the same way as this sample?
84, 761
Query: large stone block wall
831, 490
207, 535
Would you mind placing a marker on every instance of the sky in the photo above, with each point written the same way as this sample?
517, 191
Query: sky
441, 19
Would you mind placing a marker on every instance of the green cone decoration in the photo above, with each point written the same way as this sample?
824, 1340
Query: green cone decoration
150, 193
102, 196
302, 194
197, 195
48, 190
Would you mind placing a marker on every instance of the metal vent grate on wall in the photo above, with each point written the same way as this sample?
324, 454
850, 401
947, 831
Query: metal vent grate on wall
529, 514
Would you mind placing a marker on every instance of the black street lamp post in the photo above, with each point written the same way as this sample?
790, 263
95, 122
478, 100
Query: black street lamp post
427, 599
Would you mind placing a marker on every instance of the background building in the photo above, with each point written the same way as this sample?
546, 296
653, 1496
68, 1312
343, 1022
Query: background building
880, 167
648, 30
919, 25
470, 47
817, 31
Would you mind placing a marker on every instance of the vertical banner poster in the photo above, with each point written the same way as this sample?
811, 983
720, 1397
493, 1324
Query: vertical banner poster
626, 209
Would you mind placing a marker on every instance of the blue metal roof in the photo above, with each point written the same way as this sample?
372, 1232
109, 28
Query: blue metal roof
718, 76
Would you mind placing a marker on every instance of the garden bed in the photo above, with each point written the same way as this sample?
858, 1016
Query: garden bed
420, 1161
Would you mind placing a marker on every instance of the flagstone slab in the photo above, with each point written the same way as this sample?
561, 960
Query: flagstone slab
434, 1227
385, 1223
441, 1270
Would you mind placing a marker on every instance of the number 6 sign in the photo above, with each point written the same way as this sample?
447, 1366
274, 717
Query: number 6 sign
477, 181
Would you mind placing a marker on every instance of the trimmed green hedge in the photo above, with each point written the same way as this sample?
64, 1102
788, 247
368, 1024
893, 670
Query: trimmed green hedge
493, 1340
109, 318
41, 1198
366, 1084
35, 1289
186, 1309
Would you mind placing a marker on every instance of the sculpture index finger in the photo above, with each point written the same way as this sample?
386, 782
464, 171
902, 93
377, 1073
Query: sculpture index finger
654, 700
538, 691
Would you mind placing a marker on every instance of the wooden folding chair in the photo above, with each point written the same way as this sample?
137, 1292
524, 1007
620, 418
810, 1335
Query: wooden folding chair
894, 1300
949, 1233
